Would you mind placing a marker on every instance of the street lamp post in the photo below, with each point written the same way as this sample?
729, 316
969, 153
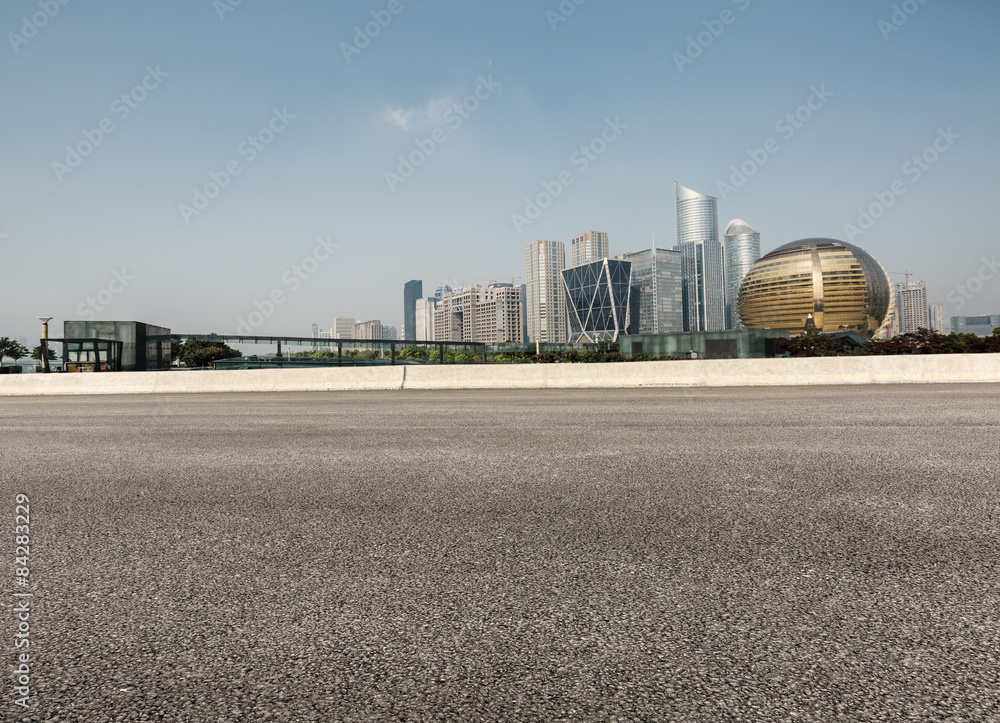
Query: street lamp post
45, 342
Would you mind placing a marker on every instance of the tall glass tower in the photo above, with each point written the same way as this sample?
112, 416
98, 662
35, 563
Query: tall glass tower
412, 291
742, 249
698, 242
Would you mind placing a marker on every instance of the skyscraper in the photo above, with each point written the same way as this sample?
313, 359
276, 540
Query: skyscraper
936, 314
911, 306
440, 291
698, 242
412, 291
597, 297
587, 247
742, 249
424, 315
657, 297
544, 262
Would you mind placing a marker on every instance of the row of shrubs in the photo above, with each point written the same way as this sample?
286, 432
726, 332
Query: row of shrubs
922, 341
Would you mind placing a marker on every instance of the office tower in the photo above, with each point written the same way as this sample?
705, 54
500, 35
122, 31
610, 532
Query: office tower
343, 327
423, 312
597, 297
367, 330
936, 315
742, 249
587, 247
911, 306
656, 303
544, 262
440, 291
490, 314
981, 325
412, 291
389, 333
698, 242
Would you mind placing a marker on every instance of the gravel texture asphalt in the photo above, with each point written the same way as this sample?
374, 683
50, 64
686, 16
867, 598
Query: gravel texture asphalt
754, 554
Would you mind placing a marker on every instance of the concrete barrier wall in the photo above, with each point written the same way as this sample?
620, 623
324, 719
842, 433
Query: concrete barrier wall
931, 368
168, 382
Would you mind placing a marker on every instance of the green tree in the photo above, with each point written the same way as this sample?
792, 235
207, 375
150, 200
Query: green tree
13, 349
200, 353
36, 353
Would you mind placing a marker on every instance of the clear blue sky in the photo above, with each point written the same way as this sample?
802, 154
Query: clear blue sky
215, 77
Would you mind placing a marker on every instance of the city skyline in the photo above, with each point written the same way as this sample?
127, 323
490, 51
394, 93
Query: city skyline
128, 179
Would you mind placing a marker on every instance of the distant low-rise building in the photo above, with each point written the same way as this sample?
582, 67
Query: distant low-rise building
981, 325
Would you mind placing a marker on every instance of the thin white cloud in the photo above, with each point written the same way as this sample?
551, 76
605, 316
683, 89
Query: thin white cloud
407, 119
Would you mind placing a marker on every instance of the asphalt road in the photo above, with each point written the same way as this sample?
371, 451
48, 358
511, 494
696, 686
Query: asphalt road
808, 554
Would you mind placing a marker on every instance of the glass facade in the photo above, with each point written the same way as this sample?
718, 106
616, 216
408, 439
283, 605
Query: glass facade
840, 285
742, 249
656, 302
597, 297
704, 276
731, 344
412, 291
146, 347
981, 325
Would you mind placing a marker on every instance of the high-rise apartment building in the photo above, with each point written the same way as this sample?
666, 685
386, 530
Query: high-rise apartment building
544, 262
698, 242
741, 251
911, 306
498, 316
389, 333
936, 314
343, 327
657, 298
490, 314
588, 247
423, 312
367, 330
412, 291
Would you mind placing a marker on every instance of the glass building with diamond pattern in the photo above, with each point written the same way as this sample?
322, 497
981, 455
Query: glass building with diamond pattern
597, 300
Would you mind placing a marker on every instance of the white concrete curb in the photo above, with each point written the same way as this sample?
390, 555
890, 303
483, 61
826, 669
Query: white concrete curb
930, 368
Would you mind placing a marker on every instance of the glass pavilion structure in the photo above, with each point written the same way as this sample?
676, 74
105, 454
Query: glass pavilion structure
597, 300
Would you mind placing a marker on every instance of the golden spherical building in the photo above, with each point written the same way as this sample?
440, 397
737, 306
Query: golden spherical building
839, 284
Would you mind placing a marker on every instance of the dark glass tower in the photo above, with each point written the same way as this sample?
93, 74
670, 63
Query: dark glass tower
412, 291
